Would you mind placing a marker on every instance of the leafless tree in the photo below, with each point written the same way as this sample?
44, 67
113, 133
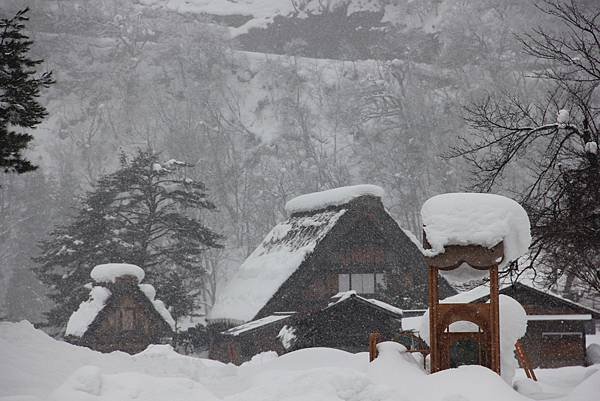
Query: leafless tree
548, 134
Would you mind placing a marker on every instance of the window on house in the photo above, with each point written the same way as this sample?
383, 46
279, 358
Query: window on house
362, 283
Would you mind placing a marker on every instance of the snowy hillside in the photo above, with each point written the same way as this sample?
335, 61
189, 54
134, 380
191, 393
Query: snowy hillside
36, 367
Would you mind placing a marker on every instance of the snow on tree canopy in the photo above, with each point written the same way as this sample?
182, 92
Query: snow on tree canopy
331, 197
476, 219
279, 255
108, 273
81, 319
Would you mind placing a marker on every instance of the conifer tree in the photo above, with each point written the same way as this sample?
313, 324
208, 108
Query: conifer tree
146, 213
19, 90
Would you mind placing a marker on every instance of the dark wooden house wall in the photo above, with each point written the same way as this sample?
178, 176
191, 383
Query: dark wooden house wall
550, 350
127, 323
553, 351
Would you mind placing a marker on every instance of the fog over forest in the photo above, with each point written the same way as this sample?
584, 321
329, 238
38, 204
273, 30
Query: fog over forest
263, 101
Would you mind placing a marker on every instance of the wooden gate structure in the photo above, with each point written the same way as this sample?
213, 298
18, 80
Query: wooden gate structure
485, 315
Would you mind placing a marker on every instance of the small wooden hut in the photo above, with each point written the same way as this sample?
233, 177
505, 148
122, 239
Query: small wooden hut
345, 324
556, 326
120, 314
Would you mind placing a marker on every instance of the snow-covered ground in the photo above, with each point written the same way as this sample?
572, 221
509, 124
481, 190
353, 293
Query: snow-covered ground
34, 367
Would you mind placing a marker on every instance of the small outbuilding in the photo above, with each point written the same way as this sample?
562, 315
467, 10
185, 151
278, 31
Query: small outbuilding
120, 314
345, 324
556, 326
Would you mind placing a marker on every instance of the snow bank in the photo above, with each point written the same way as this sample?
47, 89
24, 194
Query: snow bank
331, 197
108, 273
587, 390
81, 319
476, 219
37, 367
88, 383
393, 362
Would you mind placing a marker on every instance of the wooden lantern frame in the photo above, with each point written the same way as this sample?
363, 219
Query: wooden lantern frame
485, 315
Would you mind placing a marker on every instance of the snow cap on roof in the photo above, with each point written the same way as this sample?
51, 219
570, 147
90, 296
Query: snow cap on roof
331, 197
108, 273
476, 219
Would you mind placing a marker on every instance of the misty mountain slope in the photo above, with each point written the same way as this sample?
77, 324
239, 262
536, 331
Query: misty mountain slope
261, 126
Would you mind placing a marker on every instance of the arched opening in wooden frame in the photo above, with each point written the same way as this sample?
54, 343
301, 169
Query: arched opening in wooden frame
486, 316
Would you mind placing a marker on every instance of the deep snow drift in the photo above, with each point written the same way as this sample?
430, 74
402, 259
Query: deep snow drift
37, 367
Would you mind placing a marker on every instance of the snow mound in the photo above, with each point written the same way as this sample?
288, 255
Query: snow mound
476, 219
513, 325
331, 197
35, 366
392, 362
88, 383
81, 319
108, 273
592, 354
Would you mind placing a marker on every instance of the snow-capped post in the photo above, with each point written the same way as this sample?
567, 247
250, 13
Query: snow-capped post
465, 235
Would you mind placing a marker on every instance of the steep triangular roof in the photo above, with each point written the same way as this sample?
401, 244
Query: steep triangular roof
90, 311
283, 250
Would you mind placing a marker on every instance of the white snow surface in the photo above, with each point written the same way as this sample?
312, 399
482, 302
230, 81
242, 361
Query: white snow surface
268, 267
513, 325
331, 197
562, 117
476, 219
235, 331
36, 367
159, 305
81, 319
591, 147
287, 336
344, 295
110, 271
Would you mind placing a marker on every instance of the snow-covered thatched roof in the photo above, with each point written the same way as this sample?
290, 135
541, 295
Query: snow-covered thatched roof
283, 250
81, 320
279, 255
